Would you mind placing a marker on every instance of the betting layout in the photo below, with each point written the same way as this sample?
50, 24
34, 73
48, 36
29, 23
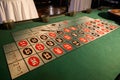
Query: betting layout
39, 45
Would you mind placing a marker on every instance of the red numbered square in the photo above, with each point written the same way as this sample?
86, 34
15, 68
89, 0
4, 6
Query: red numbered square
22, 43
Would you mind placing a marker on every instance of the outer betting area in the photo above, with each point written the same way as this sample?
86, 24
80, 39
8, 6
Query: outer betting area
37, 46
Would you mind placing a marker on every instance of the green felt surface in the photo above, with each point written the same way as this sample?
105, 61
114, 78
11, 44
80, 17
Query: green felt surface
97, 60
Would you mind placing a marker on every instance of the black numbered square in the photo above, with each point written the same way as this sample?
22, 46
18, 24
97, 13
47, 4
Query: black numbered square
43, 37
50, 43
46, 56
34, 40
59, 40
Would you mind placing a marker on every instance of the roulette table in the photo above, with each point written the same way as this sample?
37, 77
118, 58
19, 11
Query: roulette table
80, 48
